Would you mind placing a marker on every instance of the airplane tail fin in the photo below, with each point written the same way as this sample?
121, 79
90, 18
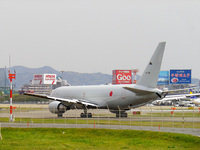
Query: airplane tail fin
191, 92
151, 73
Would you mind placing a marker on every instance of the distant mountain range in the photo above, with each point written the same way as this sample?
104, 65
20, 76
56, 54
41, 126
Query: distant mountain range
24, 75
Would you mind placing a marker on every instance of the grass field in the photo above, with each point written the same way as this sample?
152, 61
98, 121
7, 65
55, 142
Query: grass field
45, 138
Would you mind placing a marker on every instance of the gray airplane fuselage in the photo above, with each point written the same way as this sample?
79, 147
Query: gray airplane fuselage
111, 96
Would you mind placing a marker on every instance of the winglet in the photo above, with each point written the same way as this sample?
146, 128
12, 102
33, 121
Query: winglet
151, 73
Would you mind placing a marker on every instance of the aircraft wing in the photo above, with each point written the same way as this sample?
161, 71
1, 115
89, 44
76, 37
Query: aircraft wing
73, 101
173, 97
191, 95
177, 90
179, 97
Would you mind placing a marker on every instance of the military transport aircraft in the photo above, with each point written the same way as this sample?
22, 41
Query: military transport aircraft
117, 98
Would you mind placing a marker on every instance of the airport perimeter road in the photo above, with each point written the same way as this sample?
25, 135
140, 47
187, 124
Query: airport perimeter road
195, 132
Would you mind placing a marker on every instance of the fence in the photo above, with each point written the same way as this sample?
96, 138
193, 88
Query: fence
153, 117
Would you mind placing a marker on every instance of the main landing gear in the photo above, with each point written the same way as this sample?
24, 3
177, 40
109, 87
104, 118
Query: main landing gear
85, 114
121, 114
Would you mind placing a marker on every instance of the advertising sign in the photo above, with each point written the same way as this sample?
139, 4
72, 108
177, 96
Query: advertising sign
180, 76
49, 78
122, 77
163, 78
37, 78
44, 79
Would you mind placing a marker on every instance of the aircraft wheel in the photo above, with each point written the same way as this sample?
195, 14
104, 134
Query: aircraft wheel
60, 115
89, 115
122, 115
117, 115
83, 115
86, 115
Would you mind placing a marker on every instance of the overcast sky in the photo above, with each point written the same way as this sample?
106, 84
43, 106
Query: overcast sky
91, 36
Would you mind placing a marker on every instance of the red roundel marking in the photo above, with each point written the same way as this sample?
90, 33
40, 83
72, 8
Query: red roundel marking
111, 93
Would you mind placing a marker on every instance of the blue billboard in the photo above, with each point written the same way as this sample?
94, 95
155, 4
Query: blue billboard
163, 78
180, 76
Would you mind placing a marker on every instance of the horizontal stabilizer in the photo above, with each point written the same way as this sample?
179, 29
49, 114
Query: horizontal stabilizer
139, 91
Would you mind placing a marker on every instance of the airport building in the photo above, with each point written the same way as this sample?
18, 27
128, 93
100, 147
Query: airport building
36, 88
43, 84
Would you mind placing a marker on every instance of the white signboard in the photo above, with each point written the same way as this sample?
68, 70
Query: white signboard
44, 79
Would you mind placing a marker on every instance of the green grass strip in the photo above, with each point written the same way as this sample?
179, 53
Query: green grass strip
99, 139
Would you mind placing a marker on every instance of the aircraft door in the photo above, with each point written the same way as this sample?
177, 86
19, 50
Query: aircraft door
123, 94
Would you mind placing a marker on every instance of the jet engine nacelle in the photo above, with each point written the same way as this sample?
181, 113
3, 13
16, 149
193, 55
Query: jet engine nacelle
57, 107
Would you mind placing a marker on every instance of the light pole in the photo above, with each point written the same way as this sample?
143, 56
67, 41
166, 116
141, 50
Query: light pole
11, 77
62, 74
135, 73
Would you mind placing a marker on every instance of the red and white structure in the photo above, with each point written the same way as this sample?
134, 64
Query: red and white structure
11, 77
135, 73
